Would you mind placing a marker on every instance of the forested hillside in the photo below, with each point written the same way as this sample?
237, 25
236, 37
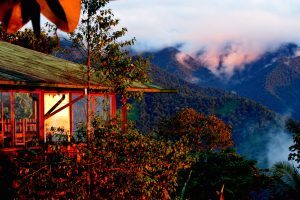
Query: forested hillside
251, 123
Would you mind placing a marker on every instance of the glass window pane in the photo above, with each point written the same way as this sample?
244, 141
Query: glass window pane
24, 106
100, 107
5, 96
61, 119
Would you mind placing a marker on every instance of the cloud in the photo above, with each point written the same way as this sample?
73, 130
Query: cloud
278, 147
297, 53
225, 60
183, 58
279, 141
253, 26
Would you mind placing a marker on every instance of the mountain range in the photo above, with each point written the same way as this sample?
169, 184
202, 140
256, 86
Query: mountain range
273, 79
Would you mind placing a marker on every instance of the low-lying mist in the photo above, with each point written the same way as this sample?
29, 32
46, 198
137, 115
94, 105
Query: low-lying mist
278, 147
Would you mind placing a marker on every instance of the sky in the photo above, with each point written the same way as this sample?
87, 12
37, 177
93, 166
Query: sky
239, 29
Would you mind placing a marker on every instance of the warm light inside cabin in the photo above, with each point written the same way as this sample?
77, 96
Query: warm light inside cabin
60, 119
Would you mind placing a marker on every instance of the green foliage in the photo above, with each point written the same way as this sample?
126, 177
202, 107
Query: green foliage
286, 181
242, 179
294, 127
229, 108
97, 36
44, 43
58, 135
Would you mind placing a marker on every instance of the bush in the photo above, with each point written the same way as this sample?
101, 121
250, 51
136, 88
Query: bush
113, 165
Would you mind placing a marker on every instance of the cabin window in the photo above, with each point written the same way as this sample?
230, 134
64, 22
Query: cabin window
25, 118
25, 106
6, 134
18, 119
6, 105
57, 126
100, 107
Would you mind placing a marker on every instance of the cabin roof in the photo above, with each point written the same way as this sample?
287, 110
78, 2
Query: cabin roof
20, 66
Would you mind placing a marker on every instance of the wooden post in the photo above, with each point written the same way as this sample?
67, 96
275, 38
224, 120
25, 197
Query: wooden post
2, 123
124, 114
71, 115
88, 100
113, 106
12, 118
41, 105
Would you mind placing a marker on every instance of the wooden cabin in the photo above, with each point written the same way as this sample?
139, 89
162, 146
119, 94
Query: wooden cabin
39, 92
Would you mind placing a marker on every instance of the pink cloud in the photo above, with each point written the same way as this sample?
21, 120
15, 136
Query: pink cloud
182, 58
226, 60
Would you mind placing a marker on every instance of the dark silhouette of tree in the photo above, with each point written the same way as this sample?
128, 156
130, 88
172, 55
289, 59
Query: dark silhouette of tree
287, 181
294, 127
241, 178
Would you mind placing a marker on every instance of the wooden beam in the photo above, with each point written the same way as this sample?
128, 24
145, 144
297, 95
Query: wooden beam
67, 87
65, 106
55, 105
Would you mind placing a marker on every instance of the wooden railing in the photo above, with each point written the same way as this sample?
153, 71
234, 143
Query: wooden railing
22, 131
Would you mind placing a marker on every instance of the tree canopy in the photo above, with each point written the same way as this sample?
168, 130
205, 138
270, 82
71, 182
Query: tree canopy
240, 177
294, 127
286, 181
27, 38
197, 131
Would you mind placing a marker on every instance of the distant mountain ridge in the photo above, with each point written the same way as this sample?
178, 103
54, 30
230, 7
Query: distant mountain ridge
271, 80
184, 66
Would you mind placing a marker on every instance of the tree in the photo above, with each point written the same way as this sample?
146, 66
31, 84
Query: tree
27, 38
98, 39
294, 127
241, 178
287, 181
197, 131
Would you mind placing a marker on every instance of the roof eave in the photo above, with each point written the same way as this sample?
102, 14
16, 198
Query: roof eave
79, 86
